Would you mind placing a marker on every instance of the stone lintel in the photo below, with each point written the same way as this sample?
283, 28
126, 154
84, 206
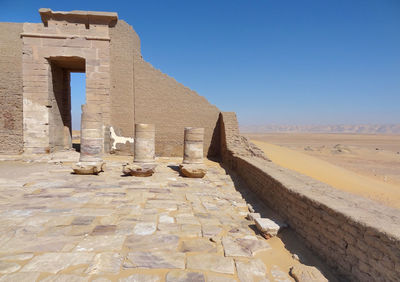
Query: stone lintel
82, 17
64, 36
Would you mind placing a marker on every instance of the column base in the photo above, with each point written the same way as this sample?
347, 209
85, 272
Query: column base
193, 170
87, 168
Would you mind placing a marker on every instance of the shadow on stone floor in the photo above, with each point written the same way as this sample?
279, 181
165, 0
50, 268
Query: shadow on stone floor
292, 242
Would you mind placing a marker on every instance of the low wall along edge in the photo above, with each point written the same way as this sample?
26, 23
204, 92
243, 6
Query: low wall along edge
357, 237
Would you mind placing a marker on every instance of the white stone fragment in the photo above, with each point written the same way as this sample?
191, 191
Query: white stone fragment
268, 227
252, 216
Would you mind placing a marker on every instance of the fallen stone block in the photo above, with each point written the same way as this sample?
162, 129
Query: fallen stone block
268, 227
86, 168
253, 215
140, 170
193, 170
304, 273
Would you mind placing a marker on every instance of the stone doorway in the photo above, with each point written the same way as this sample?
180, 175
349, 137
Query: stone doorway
65, 42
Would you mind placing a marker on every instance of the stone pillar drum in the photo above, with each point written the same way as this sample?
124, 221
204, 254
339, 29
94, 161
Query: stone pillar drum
193, 147
144, 146
92, 138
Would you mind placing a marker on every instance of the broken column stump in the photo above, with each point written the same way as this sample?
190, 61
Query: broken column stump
192, 165
92, 140
144, 152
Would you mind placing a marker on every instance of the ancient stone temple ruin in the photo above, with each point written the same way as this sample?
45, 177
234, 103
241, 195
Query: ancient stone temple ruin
36, 62
224, 224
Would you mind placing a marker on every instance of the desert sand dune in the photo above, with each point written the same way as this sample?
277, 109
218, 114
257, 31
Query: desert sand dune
333, 172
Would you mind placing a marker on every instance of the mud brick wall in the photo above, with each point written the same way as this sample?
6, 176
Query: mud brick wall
11, 136
124, 42
171, 106
357, 237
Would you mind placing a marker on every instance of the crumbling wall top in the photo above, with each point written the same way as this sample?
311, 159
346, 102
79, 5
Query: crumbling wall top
82, 17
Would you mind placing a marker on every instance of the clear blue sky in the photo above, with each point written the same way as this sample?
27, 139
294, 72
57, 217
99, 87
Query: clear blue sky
283, 62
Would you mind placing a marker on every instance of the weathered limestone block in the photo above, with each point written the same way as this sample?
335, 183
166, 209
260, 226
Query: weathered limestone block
192, 165
268, 227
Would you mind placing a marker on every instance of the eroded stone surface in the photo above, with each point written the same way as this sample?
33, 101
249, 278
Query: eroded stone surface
8, 267
55, 262
198, 245
24, 256
184, 276
279, 275
141, 277
157, 259
304, 273
211, 262
243, 247
105, 263
152, 242
65, 278
100, 243
20, 277
212, 277
251, 271
144, 228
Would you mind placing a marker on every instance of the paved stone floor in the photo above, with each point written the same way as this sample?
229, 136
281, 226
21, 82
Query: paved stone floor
56, 226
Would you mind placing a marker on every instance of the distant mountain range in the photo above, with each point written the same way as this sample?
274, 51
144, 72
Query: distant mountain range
341, 128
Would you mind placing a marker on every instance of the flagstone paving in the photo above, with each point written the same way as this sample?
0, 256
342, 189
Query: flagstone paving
56, 226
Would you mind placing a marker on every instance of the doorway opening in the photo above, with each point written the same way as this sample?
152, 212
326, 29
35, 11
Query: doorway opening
68, 85
78, 98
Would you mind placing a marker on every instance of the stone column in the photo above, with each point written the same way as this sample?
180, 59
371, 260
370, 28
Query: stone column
144, 152
92, 138
192, 165
144, 146
193, 147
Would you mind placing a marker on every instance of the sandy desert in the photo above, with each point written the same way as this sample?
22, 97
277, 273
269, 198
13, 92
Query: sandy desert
363, 164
